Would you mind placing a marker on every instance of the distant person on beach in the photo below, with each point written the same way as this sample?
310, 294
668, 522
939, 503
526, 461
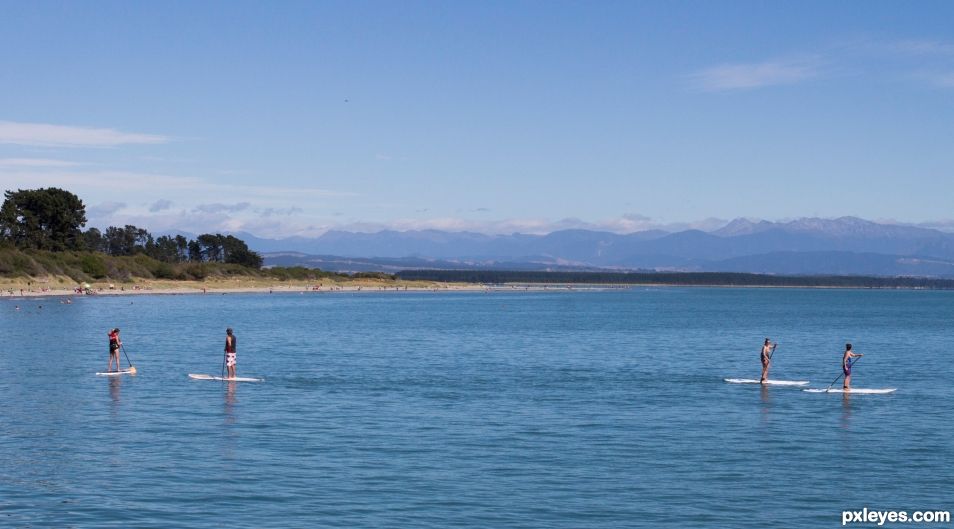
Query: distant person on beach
230, 352
766, 356
846, 364
114, 344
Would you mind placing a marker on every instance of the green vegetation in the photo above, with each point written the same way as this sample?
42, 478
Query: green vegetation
44, 219
94, 266
41, 235
51, 219
672, 278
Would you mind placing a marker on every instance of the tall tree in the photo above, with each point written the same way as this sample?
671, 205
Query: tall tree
195, 251
94, 240
237, 252
182, 247
164, 249
211, 247
121, 241
44, 219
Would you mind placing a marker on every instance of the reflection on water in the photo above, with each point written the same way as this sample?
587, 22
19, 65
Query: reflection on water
230, 402
115, 383
846, 410
766, 401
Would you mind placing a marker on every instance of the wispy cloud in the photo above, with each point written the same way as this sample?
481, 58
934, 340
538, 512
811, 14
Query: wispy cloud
223, 208
47, 135
922, 47
629, 223
105, 209
35, 162
160, 205
943, 80
281, 212
742, 76
138, 183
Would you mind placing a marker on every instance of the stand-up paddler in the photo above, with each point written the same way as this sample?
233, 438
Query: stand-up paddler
230, 352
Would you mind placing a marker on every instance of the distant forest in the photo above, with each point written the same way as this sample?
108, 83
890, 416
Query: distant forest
673, 279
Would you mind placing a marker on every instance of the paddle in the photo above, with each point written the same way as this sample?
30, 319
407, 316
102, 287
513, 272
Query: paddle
774, 345
850, 363
132, 368
223, 366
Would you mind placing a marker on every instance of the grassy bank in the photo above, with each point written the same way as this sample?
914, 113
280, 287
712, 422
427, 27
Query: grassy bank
65, 268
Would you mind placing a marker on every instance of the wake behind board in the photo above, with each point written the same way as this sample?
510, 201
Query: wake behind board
225, 379
767, 382
129, 371
859, 391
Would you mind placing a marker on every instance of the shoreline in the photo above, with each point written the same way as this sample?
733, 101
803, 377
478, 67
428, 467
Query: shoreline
211, 288
30, 290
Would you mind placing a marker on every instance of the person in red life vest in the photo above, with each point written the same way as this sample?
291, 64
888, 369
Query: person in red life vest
114, 344
230, 352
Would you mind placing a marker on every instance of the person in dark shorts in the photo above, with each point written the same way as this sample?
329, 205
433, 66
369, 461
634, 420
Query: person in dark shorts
114, 344
230, 352
846, 364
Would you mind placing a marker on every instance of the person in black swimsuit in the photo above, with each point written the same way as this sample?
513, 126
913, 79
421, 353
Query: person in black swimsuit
766, 357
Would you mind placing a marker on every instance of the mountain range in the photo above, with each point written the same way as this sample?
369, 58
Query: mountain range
846, 245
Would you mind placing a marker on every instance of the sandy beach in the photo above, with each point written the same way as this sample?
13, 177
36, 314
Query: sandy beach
57, 287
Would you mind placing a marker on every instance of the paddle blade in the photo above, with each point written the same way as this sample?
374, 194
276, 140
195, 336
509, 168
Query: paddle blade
132, 370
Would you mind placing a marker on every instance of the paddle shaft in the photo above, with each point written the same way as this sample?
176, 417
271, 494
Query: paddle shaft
123, 347
772, 353
850, 363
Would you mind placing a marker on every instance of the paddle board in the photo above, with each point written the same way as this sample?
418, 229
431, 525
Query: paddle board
226, 379
116, 373
767, 382
859, 391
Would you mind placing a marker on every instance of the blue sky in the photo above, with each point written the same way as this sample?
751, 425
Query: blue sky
285, 118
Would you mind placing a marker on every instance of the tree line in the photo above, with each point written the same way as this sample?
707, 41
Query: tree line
52, 219
672, 279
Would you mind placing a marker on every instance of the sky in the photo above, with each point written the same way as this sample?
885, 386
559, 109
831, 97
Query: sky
294, 118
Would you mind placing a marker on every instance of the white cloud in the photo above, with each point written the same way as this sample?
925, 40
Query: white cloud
104, 209
629, 223
35, 162
269, 212
135, 184
729, 77
47, 135
923, 47
223, 208
160, 205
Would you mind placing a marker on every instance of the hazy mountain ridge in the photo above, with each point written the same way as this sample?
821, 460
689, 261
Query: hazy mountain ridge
811, 245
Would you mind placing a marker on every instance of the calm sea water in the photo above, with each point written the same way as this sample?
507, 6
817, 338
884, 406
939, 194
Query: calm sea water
548, 409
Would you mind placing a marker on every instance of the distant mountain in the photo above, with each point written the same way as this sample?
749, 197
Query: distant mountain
383, 264
846, 245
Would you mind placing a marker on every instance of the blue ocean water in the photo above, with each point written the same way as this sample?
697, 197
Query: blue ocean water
505, 409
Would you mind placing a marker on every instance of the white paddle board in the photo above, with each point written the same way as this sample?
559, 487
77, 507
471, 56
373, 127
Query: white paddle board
767, 382
226, 379
117, 373
859, 391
